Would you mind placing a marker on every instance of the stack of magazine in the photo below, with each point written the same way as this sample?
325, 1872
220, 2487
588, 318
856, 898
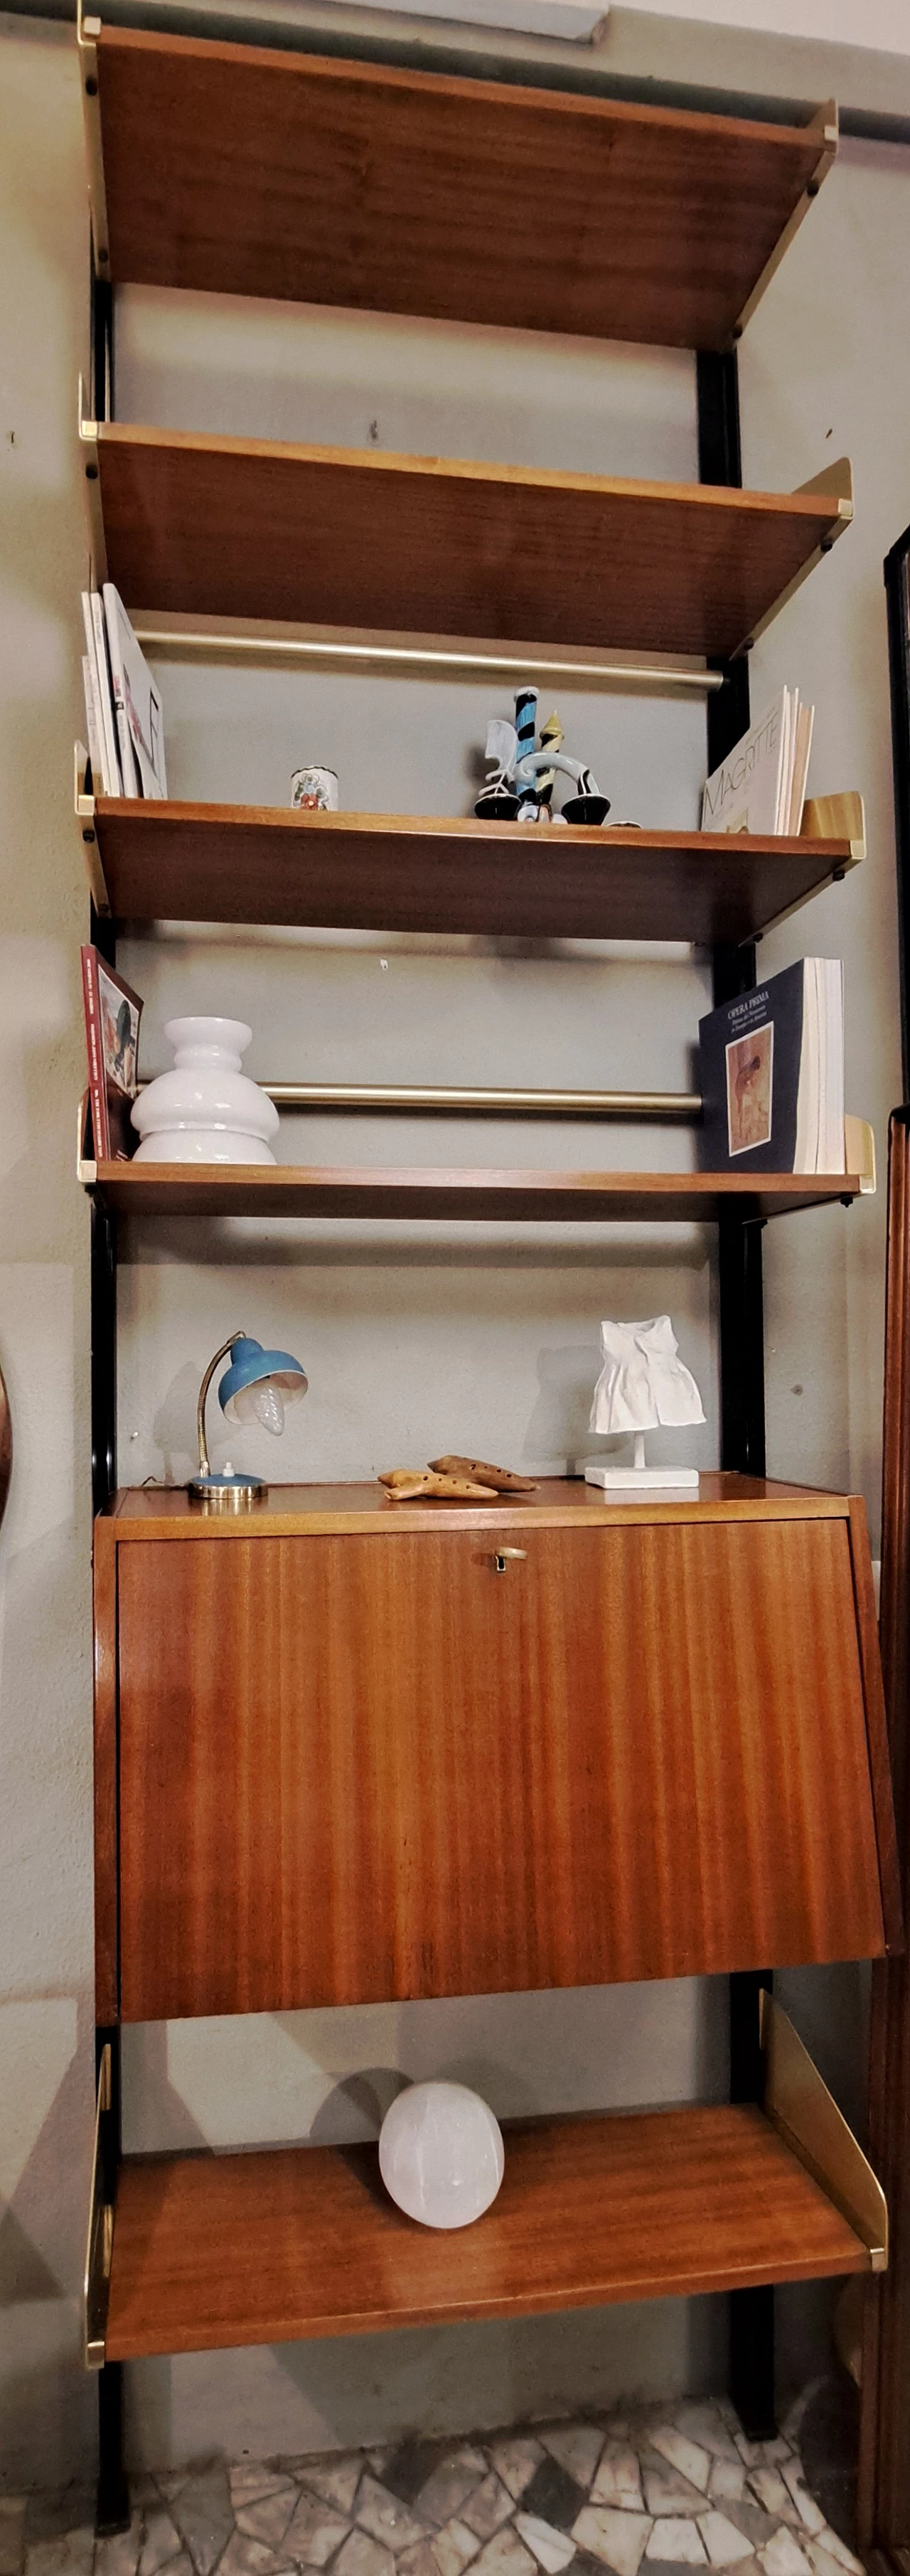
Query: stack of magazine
761, 785
122, 705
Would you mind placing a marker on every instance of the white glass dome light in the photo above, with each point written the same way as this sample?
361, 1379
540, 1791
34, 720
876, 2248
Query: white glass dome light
441, 2154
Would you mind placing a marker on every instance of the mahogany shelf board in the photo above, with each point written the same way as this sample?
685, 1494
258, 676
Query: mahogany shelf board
522, 1197
350, 537
180, 862
249, 172
147, 1511
213, 2251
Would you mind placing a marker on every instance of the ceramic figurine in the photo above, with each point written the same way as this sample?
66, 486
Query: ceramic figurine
643, 1383
521, 786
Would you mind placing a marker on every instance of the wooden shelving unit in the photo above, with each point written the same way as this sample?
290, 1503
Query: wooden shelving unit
214, 2251
517, 1197
350, 537
352, 183
181, 862
222, 167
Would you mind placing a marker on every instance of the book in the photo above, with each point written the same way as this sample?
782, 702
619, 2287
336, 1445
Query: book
772, 1074
113, 785
137, 704
101, 777
92, 722
761, 784
112, 1016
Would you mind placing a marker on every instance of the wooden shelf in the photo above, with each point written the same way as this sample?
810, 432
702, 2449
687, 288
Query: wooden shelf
350, 183
357, 538
211, 2251
523, 1197
177, 862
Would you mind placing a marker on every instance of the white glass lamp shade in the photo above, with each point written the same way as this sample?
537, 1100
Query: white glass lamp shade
206, 1110
441, 2154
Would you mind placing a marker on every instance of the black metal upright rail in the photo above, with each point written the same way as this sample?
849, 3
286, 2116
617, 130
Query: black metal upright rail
742, 1378
897, 594
112, 2513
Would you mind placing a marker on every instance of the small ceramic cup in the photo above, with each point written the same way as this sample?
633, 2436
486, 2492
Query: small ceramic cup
315, 790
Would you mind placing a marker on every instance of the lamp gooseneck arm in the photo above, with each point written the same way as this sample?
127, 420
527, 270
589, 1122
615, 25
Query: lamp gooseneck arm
238, 1336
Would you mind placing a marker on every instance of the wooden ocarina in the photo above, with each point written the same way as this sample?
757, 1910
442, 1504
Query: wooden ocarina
501, 1478
425, 1485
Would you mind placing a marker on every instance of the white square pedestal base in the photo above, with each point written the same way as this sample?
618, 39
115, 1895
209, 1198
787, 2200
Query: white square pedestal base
644, 1480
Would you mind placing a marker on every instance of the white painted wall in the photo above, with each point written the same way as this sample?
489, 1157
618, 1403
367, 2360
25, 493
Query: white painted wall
881, 25
416, 1341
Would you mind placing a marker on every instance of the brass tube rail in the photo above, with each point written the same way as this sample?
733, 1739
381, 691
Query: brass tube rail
455, 1101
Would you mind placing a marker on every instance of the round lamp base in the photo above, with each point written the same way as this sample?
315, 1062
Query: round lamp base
227, 1493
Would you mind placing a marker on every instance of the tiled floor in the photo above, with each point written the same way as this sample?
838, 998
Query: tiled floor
649, 2489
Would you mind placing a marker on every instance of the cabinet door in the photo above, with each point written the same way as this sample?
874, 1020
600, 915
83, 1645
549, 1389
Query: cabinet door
358, 1768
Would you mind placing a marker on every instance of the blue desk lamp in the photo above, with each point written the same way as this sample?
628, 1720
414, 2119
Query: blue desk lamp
256, 1388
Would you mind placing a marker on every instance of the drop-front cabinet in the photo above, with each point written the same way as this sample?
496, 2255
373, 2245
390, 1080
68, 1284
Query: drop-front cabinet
353, 1752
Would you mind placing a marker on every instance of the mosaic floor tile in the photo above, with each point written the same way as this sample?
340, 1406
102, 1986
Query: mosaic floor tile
505, 2555
726, 2546
783, 2556
552, 2549
314, 2533
455, 2478
386, 2517
618, 2539
577, 2447
515, 2463
676, 2541
554, 2496
618, 2478
361, 2556
691, 2461
488, 2507
336, 2481
454, 2547
267, 2520
727, 2480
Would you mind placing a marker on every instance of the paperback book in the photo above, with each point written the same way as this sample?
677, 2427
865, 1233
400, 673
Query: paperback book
112, 1016
772, 1074
760, 787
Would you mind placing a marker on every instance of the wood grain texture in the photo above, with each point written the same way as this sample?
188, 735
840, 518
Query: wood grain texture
519, 1197
884, 2496
356, 537
211, 2251
352, 183
172, 862
356, 1768
876, 1724
560, 1502
107, 1981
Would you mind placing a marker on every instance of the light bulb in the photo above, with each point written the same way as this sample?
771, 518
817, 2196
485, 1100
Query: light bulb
263, 1404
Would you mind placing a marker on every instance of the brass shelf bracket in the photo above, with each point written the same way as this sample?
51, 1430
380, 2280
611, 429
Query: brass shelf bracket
824, 125
84, 805
88, 31
100, 2239
802, 2110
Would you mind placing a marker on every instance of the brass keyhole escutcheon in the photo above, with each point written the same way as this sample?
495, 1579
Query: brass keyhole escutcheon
504, 1555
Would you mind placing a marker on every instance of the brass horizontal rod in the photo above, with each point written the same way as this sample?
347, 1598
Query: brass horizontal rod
440, 1101
179, 643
